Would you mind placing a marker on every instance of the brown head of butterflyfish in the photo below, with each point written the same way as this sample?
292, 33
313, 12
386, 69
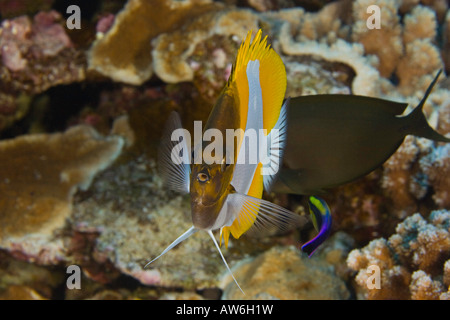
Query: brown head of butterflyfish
335, 139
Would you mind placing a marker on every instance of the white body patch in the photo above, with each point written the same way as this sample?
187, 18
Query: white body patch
245, 170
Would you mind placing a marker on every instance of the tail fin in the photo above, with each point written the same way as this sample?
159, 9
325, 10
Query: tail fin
418, 124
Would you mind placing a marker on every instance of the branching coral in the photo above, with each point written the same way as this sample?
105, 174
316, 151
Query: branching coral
422, 58
423, 287
397, 176
446, 47
412, 262
366, 79
394, 278
39, 175
417, 169
436, 167
421, 245
385, 42
406, 50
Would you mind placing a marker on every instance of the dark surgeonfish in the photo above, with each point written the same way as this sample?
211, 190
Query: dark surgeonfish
335, 139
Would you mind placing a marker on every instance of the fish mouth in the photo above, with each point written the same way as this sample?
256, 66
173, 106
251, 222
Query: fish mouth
208, 204
205, 203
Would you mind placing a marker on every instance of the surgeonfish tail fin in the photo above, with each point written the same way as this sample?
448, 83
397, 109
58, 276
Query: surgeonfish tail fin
418, 124
321, 218
224, 261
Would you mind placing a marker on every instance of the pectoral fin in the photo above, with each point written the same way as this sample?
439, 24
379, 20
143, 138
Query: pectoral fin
174, 155
259, 217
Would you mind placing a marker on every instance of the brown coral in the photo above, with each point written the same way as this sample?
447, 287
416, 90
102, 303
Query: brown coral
421, 245
436, 165
396, 177
134, 27
411, 263
394, 279
40, 174
173, 50
446, 47
423, 287
282, 273
385, 42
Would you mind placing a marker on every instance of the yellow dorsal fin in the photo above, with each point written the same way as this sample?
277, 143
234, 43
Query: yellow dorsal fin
272, 76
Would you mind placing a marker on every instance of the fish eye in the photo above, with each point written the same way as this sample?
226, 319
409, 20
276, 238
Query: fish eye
202, 177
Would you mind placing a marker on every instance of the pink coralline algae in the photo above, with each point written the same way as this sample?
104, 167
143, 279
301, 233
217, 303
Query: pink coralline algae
105, 23
42, 38
14, 33
35, 54
38, 54
49, 36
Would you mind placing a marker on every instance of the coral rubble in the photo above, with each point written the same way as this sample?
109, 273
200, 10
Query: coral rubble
283, 273
133, 215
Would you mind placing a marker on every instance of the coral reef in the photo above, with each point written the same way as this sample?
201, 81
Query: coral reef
436, 166
28, 47
133, 216
283, 273
137, 63
446, 47
375, 41
173, 66
21, 277
416, 169
413, 262
133, 28
40, 174
14, 8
